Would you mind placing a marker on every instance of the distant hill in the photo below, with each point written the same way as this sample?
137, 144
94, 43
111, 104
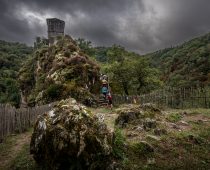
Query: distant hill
12, 55
184, 65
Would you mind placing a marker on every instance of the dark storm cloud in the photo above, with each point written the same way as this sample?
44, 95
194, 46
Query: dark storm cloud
13, 27
139, 25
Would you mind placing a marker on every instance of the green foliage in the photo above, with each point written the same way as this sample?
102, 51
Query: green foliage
174, 117
129, 73
26, 75
54, 91
101, 54
116, 54
119, 141
9, 91
12, 55
86, 46
40, 42
184, 65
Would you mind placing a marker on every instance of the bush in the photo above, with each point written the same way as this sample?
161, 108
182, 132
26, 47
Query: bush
119, 140
54, 91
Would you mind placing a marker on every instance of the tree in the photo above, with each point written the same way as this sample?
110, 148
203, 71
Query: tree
86, 46
121, 76
116, 54
130, 73
144, 76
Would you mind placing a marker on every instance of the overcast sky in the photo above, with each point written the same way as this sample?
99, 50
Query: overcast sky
139, 25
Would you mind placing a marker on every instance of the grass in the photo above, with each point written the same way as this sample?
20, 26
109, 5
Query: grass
191, 111
188, 149
142, 148
100, 110
175, 150
15, 152
23, 161
7, 143
174, 117
205, 112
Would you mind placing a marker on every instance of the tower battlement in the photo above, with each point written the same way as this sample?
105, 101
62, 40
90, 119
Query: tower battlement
55, 27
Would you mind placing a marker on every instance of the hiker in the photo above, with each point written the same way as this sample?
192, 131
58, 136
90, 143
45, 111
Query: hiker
109, 96
104, 82
105, 77
104, 90
134, 100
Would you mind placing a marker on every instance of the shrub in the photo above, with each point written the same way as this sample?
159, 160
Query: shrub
54, 91
119, 141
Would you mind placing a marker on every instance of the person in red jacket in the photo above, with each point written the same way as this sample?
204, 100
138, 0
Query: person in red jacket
109, 97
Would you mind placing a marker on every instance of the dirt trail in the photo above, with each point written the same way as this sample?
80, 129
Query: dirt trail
11, 148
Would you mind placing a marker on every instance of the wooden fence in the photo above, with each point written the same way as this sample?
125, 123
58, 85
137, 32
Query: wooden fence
18, 120
183, 97
14, 120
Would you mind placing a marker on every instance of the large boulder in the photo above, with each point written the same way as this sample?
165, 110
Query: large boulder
71, 137
127, 114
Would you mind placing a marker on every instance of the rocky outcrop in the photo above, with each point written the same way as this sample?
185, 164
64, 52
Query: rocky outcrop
137, 114
59, 71
127, 114
71, 137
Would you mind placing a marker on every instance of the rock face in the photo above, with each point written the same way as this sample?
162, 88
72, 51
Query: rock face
70, 137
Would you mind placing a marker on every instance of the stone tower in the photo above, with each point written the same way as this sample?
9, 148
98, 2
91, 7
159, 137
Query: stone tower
55, 28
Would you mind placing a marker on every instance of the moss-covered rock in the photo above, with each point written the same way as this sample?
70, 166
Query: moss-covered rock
137, 114
70, 137
59, 71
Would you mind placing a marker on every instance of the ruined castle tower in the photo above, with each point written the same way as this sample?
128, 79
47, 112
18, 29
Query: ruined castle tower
55, 28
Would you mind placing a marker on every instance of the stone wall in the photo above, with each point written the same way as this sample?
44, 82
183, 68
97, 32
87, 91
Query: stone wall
55, 28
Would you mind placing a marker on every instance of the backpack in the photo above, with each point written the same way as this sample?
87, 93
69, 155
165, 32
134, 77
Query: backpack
104, 90
109, 96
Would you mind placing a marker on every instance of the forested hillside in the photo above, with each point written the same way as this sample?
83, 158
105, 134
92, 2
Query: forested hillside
185, 65
12, 55
129, 73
